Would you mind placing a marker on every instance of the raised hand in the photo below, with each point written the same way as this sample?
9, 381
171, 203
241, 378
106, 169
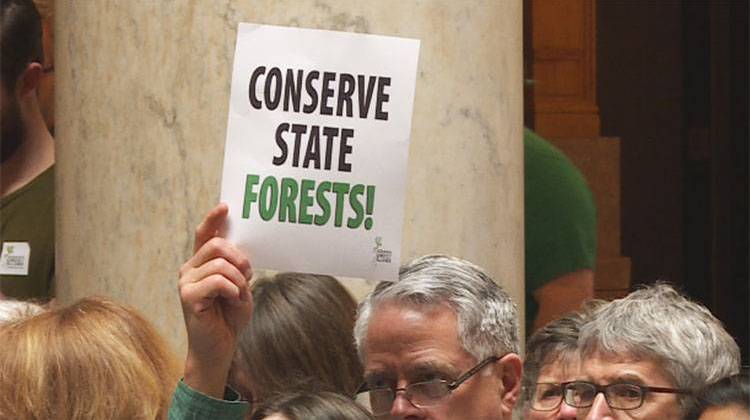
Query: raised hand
216, 304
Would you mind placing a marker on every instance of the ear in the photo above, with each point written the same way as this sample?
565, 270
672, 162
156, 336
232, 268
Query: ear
510, 366
29, 80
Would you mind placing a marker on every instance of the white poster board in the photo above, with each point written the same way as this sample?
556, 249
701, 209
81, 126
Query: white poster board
317, 147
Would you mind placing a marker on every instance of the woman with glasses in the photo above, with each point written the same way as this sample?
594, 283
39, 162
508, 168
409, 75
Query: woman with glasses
643, 355
551, 360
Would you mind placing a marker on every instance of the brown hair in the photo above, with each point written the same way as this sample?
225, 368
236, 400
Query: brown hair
300, 336
313, 405
93, 359
555, 342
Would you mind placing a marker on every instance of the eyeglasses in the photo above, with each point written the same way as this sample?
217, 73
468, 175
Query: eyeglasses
619, 396
420, 394
544, 396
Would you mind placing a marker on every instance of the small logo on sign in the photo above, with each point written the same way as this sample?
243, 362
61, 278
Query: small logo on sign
381, 255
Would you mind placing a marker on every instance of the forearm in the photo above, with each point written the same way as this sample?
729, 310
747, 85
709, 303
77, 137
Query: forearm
207, 377
562, 295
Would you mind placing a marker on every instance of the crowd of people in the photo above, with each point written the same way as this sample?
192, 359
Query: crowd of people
441, 342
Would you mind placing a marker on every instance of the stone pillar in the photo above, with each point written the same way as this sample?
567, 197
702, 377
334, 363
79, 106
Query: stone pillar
142, 99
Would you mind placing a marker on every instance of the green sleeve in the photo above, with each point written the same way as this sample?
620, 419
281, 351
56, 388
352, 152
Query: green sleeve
189, 404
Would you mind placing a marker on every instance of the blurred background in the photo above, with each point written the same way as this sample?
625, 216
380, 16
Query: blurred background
650, 100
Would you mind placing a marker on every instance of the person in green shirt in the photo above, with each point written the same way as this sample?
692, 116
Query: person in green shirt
27, 219
560, 221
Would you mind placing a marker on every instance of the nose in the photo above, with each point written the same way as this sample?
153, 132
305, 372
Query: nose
599, 409
402, 408
566, 412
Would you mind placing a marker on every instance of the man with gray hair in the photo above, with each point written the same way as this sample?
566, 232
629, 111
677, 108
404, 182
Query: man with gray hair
643, 355
440, 343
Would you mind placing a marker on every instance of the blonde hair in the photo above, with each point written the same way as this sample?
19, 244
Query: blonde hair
93, 359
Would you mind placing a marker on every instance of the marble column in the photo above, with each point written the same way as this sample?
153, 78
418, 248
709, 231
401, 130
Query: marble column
142, 99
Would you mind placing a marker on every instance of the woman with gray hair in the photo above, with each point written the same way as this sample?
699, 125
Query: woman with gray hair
643, 356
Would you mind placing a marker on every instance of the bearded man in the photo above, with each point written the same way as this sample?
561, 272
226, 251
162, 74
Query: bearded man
27, 157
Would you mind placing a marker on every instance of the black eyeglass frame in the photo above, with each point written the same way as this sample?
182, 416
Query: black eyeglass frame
562, 396
450, 385
602, 389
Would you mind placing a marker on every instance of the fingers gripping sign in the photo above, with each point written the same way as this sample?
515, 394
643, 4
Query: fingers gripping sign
216, 303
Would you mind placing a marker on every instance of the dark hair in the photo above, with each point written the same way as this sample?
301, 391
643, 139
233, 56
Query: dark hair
556, 340
730, 391
300, 335
553, 342
20, 39
313, 405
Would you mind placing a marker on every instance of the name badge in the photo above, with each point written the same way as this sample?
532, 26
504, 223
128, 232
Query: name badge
14, 259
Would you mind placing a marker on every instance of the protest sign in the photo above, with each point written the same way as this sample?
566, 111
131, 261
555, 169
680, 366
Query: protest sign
316, 150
